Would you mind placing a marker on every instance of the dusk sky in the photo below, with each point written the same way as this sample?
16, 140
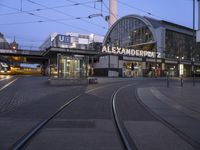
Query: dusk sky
32, 22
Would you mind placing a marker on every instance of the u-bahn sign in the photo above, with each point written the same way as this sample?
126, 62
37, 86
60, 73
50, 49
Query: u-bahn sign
130, 52
62, 41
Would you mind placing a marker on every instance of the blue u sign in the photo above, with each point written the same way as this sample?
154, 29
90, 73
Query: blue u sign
64, 38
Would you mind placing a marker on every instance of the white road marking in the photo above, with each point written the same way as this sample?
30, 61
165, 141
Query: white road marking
5, 86
5, 78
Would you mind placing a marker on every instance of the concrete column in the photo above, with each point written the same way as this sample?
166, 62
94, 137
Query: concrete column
163, 66
92, 66
144, 67
112, 12
162, 69
87, 63
58, 65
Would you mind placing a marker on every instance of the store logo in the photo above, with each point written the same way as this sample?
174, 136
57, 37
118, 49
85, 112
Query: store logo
130, 52
64, 38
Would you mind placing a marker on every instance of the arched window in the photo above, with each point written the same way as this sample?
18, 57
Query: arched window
130, 32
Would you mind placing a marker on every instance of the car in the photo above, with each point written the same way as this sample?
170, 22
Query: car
4, 67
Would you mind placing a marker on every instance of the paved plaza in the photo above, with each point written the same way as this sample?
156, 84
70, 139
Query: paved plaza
150, 114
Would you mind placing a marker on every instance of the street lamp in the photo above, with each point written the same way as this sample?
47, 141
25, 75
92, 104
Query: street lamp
193, 45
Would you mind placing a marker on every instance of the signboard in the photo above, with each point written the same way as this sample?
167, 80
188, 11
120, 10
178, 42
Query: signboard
154, 60
171, 61
63, 38
181, 69
62, 41
83, 41
130, 52
132, 58
186, 63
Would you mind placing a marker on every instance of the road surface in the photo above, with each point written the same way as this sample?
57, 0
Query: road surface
114, 114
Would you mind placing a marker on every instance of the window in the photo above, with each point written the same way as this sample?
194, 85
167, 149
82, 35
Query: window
129, 33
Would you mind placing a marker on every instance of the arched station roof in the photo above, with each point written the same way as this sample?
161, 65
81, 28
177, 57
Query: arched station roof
130, 31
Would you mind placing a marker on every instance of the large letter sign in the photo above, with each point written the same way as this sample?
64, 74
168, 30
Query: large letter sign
130, 52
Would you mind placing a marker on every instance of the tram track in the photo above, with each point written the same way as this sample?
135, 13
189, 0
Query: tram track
125, 138
23, 141
128, 143
182, 135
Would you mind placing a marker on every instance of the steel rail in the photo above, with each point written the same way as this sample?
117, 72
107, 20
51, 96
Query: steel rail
125, 140
182, 135
28, 136
39, 126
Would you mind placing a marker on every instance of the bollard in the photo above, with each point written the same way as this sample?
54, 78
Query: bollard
181, 82
193, 80
168, 81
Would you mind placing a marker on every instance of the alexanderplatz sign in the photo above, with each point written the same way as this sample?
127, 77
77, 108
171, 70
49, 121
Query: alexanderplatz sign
130, 52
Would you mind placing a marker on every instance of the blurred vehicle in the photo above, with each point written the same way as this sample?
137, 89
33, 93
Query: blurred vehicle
4, 67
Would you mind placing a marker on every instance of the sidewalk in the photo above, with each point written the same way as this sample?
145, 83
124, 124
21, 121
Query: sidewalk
178, 106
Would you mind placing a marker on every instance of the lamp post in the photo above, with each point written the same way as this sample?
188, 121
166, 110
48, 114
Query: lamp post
156, 64
194, 43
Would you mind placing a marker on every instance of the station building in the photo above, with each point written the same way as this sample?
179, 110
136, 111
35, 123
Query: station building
142, 46
71, 54
134, 46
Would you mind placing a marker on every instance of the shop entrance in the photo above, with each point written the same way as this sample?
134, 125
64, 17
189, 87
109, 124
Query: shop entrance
72, 67
153, 69
132, 69
172, 69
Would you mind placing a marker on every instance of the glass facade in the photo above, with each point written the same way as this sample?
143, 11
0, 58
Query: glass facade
131, 33
197, 52
72, 67
178, 45
132, 69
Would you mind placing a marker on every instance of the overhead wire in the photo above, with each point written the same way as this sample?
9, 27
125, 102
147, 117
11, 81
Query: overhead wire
46, 19
85, 5
139, 9
32, 14
74, 4
41, 21
88, 6
41, 9
38, 9
66, 14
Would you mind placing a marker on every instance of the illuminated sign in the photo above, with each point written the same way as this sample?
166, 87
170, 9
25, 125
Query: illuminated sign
130, 52
64, 38
181, 69
62, 41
